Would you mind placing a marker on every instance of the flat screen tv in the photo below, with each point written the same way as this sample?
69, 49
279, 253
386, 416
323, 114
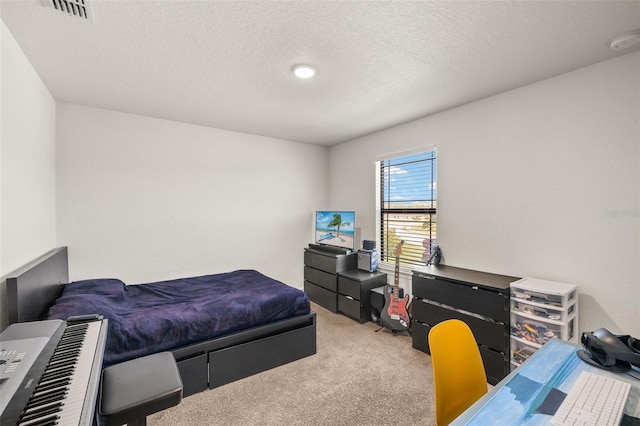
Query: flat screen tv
336, 228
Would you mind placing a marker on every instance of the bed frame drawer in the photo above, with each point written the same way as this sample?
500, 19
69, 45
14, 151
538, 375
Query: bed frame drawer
193, 372
231, 364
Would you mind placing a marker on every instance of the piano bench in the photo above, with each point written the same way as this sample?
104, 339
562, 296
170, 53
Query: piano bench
132, 390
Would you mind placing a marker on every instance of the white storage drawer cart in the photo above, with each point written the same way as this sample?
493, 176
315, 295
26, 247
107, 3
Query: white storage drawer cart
540, 311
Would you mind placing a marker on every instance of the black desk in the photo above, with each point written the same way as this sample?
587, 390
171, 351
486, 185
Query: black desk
518, 398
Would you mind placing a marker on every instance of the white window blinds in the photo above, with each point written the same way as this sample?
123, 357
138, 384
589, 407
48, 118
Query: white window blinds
406, 206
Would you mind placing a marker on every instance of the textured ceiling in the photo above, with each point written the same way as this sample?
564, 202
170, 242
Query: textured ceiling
226, 64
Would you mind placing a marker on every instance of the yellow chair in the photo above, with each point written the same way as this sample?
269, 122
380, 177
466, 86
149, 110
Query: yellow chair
458, 372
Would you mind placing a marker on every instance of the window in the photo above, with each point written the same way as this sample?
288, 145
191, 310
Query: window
406, 205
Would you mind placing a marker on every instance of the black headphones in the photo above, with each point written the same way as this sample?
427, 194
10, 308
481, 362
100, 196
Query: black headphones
604, 349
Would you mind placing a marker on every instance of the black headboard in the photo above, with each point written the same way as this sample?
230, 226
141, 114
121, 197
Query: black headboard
34, 287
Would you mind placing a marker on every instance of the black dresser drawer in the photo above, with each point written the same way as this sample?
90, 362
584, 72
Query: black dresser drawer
480, 299
357, 283
352, 308
468, 297
495, 365
320, 261
323, 297
491, 334
420, 336
349, 287
321, 278
330, 262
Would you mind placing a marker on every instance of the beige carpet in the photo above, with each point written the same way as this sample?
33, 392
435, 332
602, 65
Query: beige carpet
357, 377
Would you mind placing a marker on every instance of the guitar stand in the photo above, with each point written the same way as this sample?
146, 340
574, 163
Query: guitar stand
395, 332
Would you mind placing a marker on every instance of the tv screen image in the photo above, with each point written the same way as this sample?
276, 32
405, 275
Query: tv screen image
336, 228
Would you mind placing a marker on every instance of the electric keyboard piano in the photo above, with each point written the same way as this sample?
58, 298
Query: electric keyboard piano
50, 371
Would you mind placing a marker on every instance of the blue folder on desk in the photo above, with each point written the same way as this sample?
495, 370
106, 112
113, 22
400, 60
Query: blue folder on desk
533, 394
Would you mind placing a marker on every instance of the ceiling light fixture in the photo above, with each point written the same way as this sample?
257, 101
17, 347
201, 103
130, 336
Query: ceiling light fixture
625, 41
304, 71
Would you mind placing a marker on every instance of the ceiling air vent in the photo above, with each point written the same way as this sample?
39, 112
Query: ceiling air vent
74, 8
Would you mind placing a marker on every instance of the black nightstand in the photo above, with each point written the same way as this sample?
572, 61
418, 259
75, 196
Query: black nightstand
353, 292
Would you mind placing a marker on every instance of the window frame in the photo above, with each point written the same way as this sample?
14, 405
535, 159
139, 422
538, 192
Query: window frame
387, 260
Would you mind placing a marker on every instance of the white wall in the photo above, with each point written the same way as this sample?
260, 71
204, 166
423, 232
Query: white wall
27, 163
556, 162
541, 181
145, 199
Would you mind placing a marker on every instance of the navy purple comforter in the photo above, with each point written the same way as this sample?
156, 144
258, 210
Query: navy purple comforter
154, 317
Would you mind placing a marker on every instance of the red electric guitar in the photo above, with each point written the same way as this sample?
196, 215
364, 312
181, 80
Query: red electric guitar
394, 315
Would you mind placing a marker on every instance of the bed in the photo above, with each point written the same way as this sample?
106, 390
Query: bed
261, 336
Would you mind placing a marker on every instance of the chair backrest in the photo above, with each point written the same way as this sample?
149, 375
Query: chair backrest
458, 372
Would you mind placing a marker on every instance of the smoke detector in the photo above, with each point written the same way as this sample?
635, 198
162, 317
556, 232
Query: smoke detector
74, 8
625, 41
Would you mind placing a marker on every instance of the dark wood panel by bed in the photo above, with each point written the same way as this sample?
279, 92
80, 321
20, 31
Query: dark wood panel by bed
206, 364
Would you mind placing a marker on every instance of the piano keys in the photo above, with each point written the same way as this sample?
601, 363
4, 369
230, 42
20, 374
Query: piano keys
50, 372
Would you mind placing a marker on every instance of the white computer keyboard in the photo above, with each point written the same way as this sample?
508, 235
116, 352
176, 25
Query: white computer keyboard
593, 400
